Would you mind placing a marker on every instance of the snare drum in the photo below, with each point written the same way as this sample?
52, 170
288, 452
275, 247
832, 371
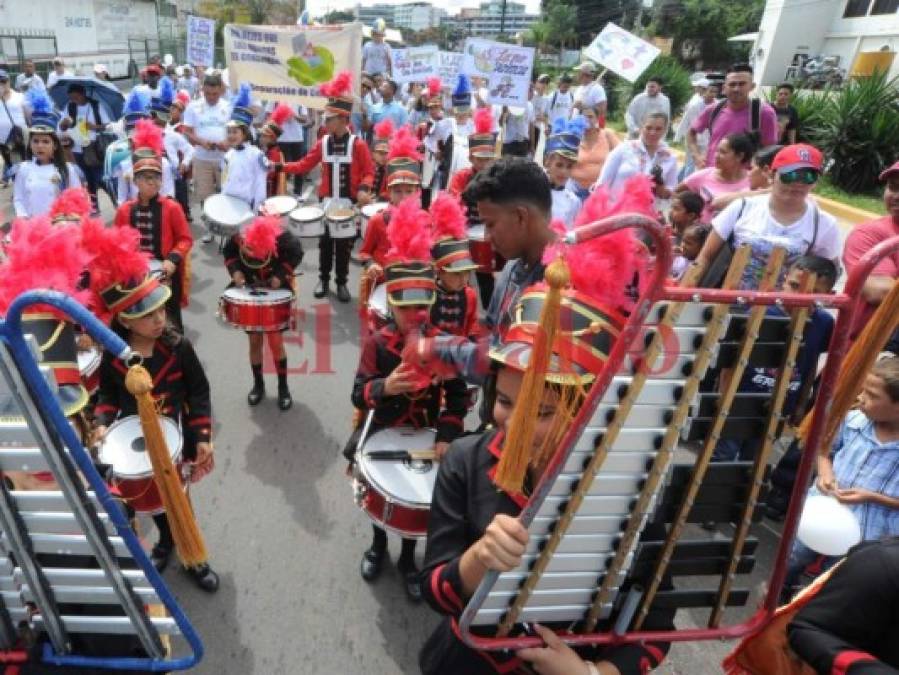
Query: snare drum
257, 310
89, 367
308, 221
378, 309
480, 248
125, 449
225, 214
341, 223
396, 494
369, 210
282, 206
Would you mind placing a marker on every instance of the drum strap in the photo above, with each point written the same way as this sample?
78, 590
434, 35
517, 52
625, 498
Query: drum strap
336, 161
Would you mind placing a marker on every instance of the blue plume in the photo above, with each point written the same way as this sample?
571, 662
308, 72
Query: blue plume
166, 91
136, 103
243, 96
577, 126
463, 85
38, 100
559, 126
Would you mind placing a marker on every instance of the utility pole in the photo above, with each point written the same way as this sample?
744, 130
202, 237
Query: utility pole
502, 19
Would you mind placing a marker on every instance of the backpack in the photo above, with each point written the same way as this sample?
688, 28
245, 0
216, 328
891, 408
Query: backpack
755, 119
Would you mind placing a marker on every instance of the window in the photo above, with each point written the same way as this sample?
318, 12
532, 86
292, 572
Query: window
856, 8
885, 7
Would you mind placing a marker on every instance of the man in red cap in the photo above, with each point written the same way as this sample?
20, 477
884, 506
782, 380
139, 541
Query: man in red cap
150, 88
863, 238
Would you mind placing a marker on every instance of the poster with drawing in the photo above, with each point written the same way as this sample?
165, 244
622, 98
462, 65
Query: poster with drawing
621, 52
414, 64
507, 69
449, 65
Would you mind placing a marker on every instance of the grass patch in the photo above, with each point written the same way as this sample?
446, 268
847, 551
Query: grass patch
867, 202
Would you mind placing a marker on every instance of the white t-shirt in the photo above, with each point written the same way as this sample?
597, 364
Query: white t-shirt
590, 95
559, 105
375, 57
208, 123
84, 114
517, 124
292, 131
53, 77
16, 106
750, 222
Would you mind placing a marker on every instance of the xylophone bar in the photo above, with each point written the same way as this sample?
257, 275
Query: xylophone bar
639, 417
71, 576
111, 625
624, 461
46, 500
67, 544
511, 581
583, 525
606, 484
91, 595
48, 522
552, 614
654, 392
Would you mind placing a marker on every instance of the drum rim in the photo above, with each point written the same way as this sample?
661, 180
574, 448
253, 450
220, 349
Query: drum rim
174, 453
369, 210
272, 301
408, 534
362, 462
320, 211
211, 200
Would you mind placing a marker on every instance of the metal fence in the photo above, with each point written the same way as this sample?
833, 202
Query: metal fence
18, 45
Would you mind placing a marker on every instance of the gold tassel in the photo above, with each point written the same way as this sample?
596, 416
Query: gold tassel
517, 449
188, 539
856, 366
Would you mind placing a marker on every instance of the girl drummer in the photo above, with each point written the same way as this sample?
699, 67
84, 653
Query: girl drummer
181, 389
246, 168
485, 479
46, 173
265, 255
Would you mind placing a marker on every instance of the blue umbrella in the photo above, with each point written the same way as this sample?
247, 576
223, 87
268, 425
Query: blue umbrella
99, 90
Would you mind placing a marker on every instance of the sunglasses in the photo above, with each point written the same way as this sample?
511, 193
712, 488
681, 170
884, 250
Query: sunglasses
804, 176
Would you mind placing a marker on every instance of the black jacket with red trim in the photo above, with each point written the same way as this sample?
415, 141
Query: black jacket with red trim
456, 312
282, 265
851, 626
180, 388
381, 354
464, 503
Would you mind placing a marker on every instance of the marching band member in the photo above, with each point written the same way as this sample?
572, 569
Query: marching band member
455, 153
485, 479
135, 301
434, 133
347, 173
380, 147
45, 173
561, 156
275, 182
481, 152
178, 149
455, 311
392, 392
264, 254
245, 168
403, 180
126, 188
164, 232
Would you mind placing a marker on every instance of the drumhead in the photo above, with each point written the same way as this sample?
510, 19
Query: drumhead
89, 360
407, 482
280, 205
227, 210
124, 447
477, 233
307, 214
371, 209
377, 301
262, 296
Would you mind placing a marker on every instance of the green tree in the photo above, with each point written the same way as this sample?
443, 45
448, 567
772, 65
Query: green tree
593, 15
562, 24
337, 16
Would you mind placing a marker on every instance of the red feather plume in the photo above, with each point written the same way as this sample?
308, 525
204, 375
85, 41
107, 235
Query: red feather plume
40, 254
148, 135
434, 85
404, 144
409, 232
483, 121
261, 236
281, 114
115, 257
384, 128
183, 96
448, 217
603, 267
341, 85
72, 201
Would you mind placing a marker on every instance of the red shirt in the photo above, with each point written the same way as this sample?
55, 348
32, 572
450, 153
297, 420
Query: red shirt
375, 244
861, 240
362, 168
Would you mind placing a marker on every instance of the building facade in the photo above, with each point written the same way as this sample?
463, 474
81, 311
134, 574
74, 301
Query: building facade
488, 20
417, 16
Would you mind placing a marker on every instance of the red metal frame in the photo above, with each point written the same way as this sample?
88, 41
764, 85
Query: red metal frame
846, 303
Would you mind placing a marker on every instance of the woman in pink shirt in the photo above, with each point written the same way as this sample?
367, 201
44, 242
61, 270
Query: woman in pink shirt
595, 146
730, 173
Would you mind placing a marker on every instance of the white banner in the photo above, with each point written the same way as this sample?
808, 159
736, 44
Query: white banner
507, 69
621, 52
449, 65
200, 41
414, 64
288, 63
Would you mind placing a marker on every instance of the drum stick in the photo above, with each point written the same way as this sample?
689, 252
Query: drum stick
401, 455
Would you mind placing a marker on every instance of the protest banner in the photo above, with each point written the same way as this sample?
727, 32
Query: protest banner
449, 65
288, 63
621, 52
507, 69
200, 41
414, 64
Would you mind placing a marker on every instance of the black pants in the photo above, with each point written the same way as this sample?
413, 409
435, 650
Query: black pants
485, 287
182, 195
93, 175
516, 149
293, 152
173, 304
330, 248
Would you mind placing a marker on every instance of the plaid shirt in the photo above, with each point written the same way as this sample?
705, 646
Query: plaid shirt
862, 461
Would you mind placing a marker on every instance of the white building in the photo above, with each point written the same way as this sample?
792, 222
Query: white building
794, 30
488, 20
417, 16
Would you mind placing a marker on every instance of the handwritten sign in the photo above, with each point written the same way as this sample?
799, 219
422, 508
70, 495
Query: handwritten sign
200, 41
414, 64
507, 69
449, 65
621, 52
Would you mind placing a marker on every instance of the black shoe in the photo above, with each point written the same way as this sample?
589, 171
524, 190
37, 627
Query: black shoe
709, 526
160, 556
411, 580
775, 514
204, 577
343, 293
372, 564
257, 393
321, 290
285, 400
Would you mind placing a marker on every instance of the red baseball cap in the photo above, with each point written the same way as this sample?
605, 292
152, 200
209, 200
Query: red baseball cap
886, 173
798, 156
153, 69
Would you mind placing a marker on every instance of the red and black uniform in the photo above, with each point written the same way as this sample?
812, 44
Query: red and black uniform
464, 503
275, 181
260, 273
379, 186
165, 235
375, 243
456, 312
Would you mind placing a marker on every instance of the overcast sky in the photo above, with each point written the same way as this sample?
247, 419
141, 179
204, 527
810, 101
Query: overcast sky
320, 7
